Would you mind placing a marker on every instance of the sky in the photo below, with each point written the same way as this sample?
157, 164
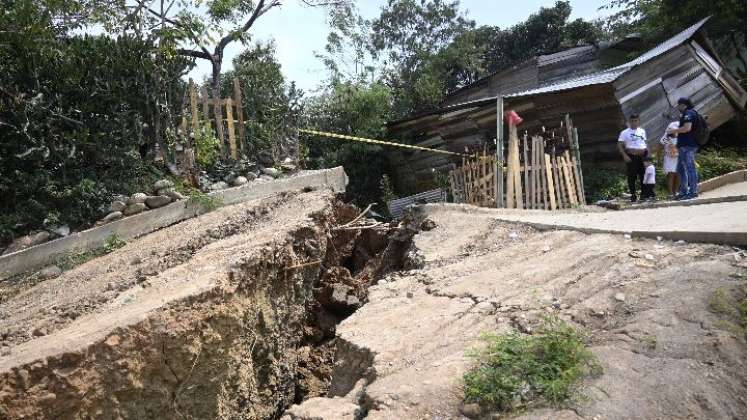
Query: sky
299, 31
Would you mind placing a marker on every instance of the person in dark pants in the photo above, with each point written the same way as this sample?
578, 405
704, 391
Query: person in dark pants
632, 147
687, 146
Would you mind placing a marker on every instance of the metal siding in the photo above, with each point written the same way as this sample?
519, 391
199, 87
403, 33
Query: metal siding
397, 207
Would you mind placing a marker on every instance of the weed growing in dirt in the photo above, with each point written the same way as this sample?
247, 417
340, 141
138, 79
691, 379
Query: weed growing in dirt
72, 259
206, 202
732, 310
650, 341
515, 370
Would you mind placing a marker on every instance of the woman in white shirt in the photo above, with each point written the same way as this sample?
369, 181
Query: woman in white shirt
669, 158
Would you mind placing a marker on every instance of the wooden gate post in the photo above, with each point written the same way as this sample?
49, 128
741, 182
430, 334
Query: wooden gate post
499, 200
238, 102
231, 132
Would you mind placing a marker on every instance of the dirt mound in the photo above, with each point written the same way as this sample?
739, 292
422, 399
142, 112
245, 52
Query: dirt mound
230, 315
650, 309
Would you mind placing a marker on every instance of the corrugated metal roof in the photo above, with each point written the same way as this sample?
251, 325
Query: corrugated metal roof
397, 207
602, 77
610, 75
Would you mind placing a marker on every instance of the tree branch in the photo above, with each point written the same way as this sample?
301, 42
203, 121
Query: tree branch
260, 10
194, 53
177, 24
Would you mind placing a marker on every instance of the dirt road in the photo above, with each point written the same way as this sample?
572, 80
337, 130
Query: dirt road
663, 351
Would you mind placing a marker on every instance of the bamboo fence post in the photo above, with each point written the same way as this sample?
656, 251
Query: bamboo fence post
500, 202
238, 102
580, 172
558, 181
193, 108
527, 185
568, 182
231, 131
550, 183
218, 116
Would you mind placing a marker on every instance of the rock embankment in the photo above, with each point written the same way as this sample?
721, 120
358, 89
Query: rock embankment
228, 315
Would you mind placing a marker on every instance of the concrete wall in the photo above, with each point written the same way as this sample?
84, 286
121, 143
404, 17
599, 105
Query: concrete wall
140, 224
720, 181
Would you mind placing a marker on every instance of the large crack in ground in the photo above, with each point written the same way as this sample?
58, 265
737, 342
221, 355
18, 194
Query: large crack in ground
255, 337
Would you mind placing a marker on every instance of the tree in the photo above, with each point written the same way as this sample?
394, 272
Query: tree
407, 36
543, 32
273, 106
197, 28
657, 20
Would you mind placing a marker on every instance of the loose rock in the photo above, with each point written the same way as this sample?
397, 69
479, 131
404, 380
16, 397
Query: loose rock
163, 183
174, 195
471, 411
251, 176
271, 172
155, 202
63, 230
620, 297
135, 208
112, 217
137, 198
240, 180
117, 206
50, 272
219, 186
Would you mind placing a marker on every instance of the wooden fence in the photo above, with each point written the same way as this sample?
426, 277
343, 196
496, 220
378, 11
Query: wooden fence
542, 171
475, 181
217, 115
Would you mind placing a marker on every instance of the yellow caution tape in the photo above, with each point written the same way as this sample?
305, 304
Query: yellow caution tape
381, 142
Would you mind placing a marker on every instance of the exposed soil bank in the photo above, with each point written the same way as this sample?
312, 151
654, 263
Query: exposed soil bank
230, 315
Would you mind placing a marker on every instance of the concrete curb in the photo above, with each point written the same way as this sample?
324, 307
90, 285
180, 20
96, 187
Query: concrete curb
695, 202
141, 224
722, 238
720, 181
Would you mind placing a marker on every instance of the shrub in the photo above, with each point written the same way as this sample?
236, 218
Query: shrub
514, 370
716, 161
603, 183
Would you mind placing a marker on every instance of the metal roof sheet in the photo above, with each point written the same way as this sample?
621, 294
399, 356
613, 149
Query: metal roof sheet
610, 75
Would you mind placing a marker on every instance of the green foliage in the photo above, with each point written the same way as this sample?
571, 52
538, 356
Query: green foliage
271, 106
515, 370
206, 202
731, 308
356, 109
543, 32
657, 20
716, 161
603, 183
72, 259
207, 147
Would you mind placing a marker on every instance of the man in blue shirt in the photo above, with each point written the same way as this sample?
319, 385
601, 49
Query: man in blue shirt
687, 146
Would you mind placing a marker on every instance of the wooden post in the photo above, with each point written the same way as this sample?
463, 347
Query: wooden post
218, 122
550, 184
499, 153
231, 131
568, 180
238, 102
580, 172
516, 175
527, 184
193, 109
558, 180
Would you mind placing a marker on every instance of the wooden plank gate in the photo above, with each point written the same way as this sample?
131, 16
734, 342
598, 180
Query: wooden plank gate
217, 115
542, 171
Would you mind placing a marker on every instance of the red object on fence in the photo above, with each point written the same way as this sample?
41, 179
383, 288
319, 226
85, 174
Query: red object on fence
513, 118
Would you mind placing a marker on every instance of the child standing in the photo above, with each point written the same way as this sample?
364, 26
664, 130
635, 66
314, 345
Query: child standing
649, 180
669, 159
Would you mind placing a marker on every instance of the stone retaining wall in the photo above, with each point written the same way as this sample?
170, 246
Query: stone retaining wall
140, 224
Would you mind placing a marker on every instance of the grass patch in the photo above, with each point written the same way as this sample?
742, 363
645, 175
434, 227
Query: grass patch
515, 370
731, 309
72, 259
649, 341
206, 202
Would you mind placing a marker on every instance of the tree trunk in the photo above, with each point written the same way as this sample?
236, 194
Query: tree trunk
217, 109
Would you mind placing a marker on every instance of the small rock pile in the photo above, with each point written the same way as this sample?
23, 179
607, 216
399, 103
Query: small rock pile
122, 206
236, 174
35, 238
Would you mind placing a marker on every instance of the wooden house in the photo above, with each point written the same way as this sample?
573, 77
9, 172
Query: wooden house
576, 82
